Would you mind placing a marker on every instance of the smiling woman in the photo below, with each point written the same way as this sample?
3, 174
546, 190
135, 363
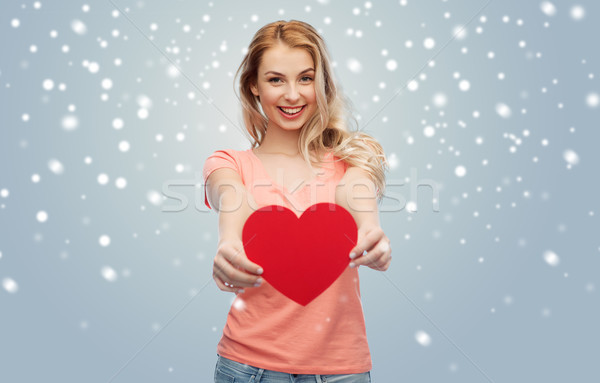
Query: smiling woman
285, 87
325, 128
298, 124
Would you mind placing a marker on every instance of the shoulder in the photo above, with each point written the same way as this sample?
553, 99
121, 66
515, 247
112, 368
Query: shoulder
354, 172
230, 154
227, 152
356, 175
224, 158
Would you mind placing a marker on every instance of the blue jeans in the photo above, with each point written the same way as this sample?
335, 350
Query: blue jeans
229, 371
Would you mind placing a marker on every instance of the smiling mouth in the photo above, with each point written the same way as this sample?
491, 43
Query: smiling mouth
291, 111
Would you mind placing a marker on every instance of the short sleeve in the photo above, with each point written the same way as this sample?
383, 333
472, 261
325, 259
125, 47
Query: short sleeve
219, 159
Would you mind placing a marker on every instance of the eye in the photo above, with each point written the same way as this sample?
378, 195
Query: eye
275, 80
306, 78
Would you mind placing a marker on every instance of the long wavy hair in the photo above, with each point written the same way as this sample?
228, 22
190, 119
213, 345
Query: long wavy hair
332, 127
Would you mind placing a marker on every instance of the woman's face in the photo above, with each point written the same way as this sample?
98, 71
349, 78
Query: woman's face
285, 84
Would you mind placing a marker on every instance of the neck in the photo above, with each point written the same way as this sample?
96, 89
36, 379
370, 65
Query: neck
280, 141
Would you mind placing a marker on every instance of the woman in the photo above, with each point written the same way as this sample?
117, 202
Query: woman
296, 119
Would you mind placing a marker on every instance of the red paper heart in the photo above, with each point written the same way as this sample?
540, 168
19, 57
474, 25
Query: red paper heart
300, 257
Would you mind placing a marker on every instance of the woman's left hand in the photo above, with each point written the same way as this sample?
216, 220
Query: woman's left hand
377, 245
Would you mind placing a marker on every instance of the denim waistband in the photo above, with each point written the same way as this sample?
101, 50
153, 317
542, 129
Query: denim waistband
241, 367
259, 372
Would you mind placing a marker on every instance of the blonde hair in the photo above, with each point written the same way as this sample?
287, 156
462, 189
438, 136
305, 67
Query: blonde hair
327, 129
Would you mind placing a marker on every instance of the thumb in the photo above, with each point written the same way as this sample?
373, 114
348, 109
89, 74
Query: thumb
247, 264
362, 233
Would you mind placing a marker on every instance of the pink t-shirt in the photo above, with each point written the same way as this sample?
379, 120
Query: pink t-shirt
266, 329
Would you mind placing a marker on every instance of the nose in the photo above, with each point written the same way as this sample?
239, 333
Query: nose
292, 95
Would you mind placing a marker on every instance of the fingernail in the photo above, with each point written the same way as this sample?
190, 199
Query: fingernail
352, 255
258, 282
240, 291
352, 264
259, 271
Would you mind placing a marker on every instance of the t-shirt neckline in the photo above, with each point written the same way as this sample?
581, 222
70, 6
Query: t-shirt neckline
282, 187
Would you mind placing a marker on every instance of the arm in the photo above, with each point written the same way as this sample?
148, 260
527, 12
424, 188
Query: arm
356, 193
227, 194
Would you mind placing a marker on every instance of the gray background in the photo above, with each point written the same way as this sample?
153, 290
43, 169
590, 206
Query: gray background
471, 273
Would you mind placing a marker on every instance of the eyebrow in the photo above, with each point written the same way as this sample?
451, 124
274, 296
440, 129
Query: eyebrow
280, 74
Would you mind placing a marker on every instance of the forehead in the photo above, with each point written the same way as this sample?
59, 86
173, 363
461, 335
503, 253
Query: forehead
283, 59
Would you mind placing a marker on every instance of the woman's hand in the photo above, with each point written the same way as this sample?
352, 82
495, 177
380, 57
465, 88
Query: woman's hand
232, 270
377, 245
356, 192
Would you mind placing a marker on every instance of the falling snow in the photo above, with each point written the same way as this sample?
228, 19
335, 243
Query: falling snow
108, 273
571, 157
124, 146
503, 110
110, 112
440, 100
118, 123
56, 166
592, 100
464, 85
10, 285
460, 171
429, 43
429, 131
423, 338
391, 65
577, 12
41, 216
354, 65
69, 122
104, 240
413, 85
551, 258
78, 27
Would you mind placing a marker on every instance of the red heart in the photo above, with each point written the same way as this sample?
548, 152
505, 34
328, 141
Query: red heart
300, 257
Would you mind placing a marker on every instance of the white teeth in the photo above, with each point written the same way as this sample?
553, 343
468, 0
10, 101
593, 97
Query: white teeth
291, 111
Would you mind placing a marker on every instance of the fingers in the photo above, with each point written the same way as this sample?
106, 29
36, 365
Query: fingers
378, 254
230, 269
367, 242
237, 258
378, 258
229, 274
222, 286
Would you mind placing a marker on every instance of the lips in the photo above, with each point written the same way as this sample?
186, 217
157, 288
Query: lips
291, 111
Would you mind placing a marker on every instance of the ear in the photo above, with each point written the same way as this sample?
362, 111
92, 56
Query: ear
254, 89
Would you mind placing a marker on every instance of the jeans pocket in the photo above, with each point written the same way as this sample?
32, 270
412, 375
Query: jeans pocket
240, 372
364, 377
222, 377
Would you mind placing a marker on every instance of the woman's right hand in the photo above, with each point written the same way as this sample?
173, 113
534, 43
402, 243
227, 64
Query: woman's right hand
232, 270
